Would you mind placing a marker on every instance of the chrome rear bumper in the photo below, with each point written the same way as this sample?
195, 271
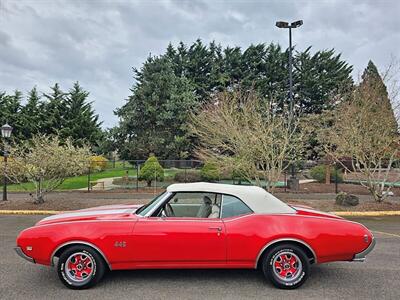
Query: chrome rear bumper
361, 256
23, 255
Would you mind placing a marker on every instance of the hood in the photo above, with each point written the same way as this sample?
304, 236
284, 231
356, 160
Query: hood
108, 212
309, 211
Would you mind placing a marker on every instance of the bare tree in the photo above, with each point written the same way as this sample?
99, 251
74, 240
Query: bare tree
365, 132
46, 162
247, 135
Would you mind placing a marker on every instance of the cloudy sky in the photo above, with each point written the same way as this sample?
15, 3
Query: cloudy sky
98, 42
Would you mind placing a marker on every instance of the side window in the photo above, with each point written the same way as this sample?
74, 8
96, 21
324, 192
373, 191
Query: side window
193, 205
232, 206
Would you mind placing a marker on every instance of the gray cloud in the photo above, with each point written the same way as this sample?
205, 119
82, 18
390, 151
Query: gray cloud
98, 42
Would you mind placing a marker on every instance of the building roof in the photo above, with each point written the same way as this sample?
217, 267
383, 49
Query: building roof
259, 200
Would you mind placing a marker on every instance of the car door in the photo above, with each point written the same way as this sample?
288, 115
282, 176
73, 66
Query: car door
193, 236
241, 229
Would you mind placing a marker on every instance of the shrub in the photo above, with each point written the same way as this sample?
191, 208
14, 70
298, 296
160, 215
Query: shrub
98, 162
210, 172
151, 170
187, 176
345, 199
318, 173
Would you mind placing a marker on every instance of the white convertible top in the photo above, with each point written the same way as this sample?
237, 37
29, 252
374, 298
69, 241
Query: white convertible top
259, 200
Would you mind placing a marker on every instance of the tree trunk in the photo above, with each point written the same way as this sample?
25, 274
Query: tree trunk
39, 199
328, 174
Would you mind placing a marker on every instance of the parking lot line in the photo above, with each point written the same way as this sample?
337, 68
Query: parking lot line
387, 233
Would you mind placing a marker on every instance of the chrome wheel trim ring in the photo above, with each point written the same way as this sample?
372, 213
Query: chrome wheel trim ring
86, 267
296, 264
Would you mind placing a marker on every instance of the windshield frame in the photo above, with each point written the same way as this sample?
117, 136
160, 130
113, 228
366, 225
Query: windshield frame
148, 209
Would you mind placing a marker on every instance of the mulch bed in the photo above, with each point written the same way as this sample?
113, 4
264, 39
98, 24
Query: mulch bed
314, 187
73, 200
329, 205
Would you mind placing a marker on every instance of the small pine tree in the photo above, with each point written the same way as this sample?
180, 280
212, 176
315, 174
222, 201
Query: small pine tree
151, 170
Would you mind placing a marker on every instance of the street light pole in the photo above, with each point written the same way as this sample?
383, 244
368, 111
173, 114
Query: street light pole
293, 181
290, 74
5, 133
5, 177
286, 25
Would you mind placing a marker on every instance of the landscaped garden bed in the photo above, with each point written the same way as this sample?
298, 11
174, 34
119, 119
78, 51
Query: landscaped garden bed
62, 201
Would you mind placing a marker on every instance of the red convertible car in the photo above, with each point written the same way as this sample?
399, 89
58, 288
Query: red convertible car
195, 225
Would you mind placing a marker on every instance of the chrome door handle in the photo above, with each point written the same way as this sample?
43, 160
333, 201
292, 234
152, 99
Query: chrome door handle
215, 228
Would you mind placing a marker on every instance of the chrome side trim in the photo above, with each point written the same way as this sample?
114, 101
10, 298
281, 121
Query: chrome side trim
23, 255
77, 242
360, 257
285, 240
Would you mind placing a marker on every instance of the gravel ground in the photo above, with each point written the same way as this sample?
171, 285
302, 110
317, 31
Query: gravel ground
377, 278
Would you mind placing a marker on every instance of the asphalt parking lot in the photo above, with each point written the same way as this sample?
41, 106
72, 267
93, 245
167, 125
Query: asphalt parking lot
377, 278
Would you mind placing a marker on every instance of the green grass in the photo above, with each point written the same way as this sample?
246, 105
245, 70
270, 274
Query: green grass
73, 183
78, 182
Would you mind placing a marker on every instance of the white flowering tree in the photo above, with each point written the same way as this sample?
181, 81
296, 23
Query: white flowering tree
46, 162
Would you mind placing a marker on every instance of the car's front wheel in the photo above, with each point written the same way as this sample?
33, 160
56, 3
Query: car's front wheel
80, 267
286, 266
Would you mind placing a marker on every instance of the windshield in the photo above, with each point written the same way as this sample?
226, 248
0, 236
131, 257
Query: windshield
146, 208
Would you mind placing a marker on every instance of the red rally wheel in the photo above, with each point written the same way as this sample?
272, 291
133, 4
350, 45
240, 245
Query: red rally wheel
80, 267
286, 266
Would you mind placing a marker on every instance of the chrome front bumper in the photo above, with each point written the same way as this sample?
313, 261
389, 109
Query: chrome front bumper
361, 256
23, 255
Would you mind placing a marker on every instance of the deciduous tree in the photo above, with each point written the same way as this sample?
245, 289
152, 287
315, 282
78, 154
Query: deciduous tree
46, 162
243, 133
365, 131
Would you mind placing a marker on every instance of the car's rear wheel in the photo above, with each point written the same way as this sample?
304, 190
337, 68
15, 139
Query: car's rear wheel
286, 266
80, 267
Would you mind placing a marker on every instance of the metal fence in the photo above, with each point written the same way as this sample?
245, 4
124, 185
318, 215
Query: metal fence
124, 175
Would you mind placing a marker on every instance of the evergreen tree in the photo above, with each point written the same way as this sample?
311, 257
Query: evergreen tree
32, 116
317, 78
10, 107
373, 80
218, 77
198, 69
81, 124
233, 66
189, 76
54, 109
154, 119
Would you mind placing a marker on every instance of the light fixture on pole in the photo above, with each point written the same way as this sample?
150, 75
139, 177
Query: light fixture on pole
5, 133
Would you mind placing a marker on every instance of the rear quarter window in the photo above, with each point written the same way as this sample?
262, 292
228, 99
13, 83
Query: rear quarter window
232, 206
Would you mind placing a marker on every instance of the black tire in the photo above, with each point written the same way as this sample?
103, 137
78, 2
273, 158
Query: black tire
91, 270
291, 263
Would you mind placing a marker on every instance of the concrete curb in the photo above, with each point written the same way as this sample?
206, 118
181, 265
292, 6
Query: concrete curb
29, 212
338, 213
367, 213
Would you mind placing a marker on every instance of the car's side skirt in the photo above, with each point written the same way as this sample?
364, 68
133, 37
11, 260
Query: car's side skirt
182, 265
